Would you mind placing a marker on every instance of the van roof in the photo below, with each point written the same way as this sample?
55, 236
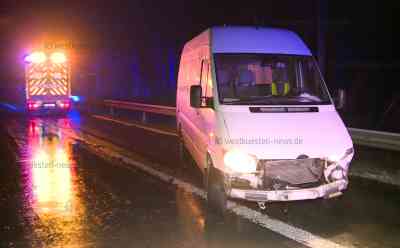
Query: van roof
256, 40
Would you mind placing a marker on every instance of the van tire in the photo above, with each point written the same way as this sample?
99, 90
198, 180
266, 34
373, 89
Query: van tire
216, 196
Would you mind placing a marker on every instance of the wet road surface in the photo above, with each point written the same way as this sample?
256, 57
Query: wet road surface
53, 195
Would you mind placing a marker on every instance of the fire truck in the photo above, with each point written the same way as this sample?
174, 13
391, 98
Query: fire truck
48, 81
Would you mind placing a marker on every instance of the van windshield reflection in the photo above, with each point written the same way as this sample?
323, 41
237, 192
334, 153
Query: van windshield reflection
265, 79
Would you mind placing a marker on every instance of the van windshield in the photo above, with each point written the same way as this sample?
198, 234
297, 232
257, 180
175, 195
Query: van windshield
269, 79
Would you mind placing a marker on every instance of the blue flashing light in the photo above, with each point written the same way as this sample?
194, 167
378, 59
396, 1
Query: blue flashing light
75, 98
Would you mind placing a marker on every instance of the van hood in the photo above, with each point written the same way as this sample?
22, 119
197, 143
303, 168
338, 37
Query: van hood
285, 135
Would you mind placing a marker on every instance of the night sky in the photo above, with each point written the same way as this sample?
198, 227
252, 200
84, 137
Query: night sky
138, 43
363, 25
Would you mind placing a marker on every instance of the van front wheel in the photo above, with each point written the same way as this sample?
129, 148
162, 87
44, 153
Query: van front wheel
216, 195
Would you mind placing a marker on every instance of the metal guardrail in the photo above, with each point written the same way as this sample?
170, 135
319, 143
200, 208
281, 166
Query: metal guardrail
371, 138
142, 107
377, 139
158, 109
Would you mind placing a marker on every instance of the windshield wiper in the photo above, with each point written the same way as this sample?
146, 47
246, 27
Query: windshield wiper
309, 98
275, 100
246, 100
230, 100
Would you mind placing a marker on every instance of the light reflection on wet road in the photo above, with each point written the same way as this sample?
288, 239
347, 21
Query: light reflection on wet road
51, 186
74, 199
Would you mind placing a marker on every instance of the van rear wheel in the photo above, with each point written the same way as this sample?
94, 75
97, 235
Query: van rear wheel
217, 199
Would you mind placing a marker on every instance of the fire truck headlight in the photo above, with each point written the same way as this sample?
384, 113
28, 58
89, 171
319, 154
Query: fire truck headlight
36, 57
58, 57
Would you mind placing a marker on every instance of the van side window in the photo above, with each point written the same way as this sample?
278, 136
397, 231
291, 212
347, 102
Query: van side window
206, 82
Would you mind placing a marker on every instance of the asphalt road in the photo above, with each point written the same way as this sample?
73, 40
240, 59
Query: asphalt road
56, 194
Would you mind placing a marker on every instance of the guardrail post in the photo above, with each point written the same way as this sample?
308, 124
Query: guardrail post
112, 111
144, 117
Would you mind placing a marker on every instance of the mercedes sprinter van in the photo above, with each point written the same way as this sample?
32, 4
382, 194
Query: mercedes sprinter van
255, 114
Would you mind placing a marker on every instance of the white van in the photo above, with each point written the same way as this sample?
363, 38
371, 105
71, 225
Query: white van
255, 114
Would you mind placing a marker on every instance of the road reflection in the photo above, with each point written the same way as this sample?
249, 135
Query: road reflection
203, 228
52, 189
192, 217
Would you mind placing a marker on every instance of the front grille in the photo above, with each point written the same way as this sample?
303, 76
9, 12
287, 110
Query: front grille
296, 173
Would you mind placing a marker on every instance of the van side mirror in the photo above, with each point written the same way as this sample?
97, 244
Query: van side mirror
195, 96
340, 99
198, 101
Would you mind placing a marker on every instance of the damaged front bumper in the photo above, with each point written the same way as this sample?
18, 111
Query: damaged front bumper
327, 190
